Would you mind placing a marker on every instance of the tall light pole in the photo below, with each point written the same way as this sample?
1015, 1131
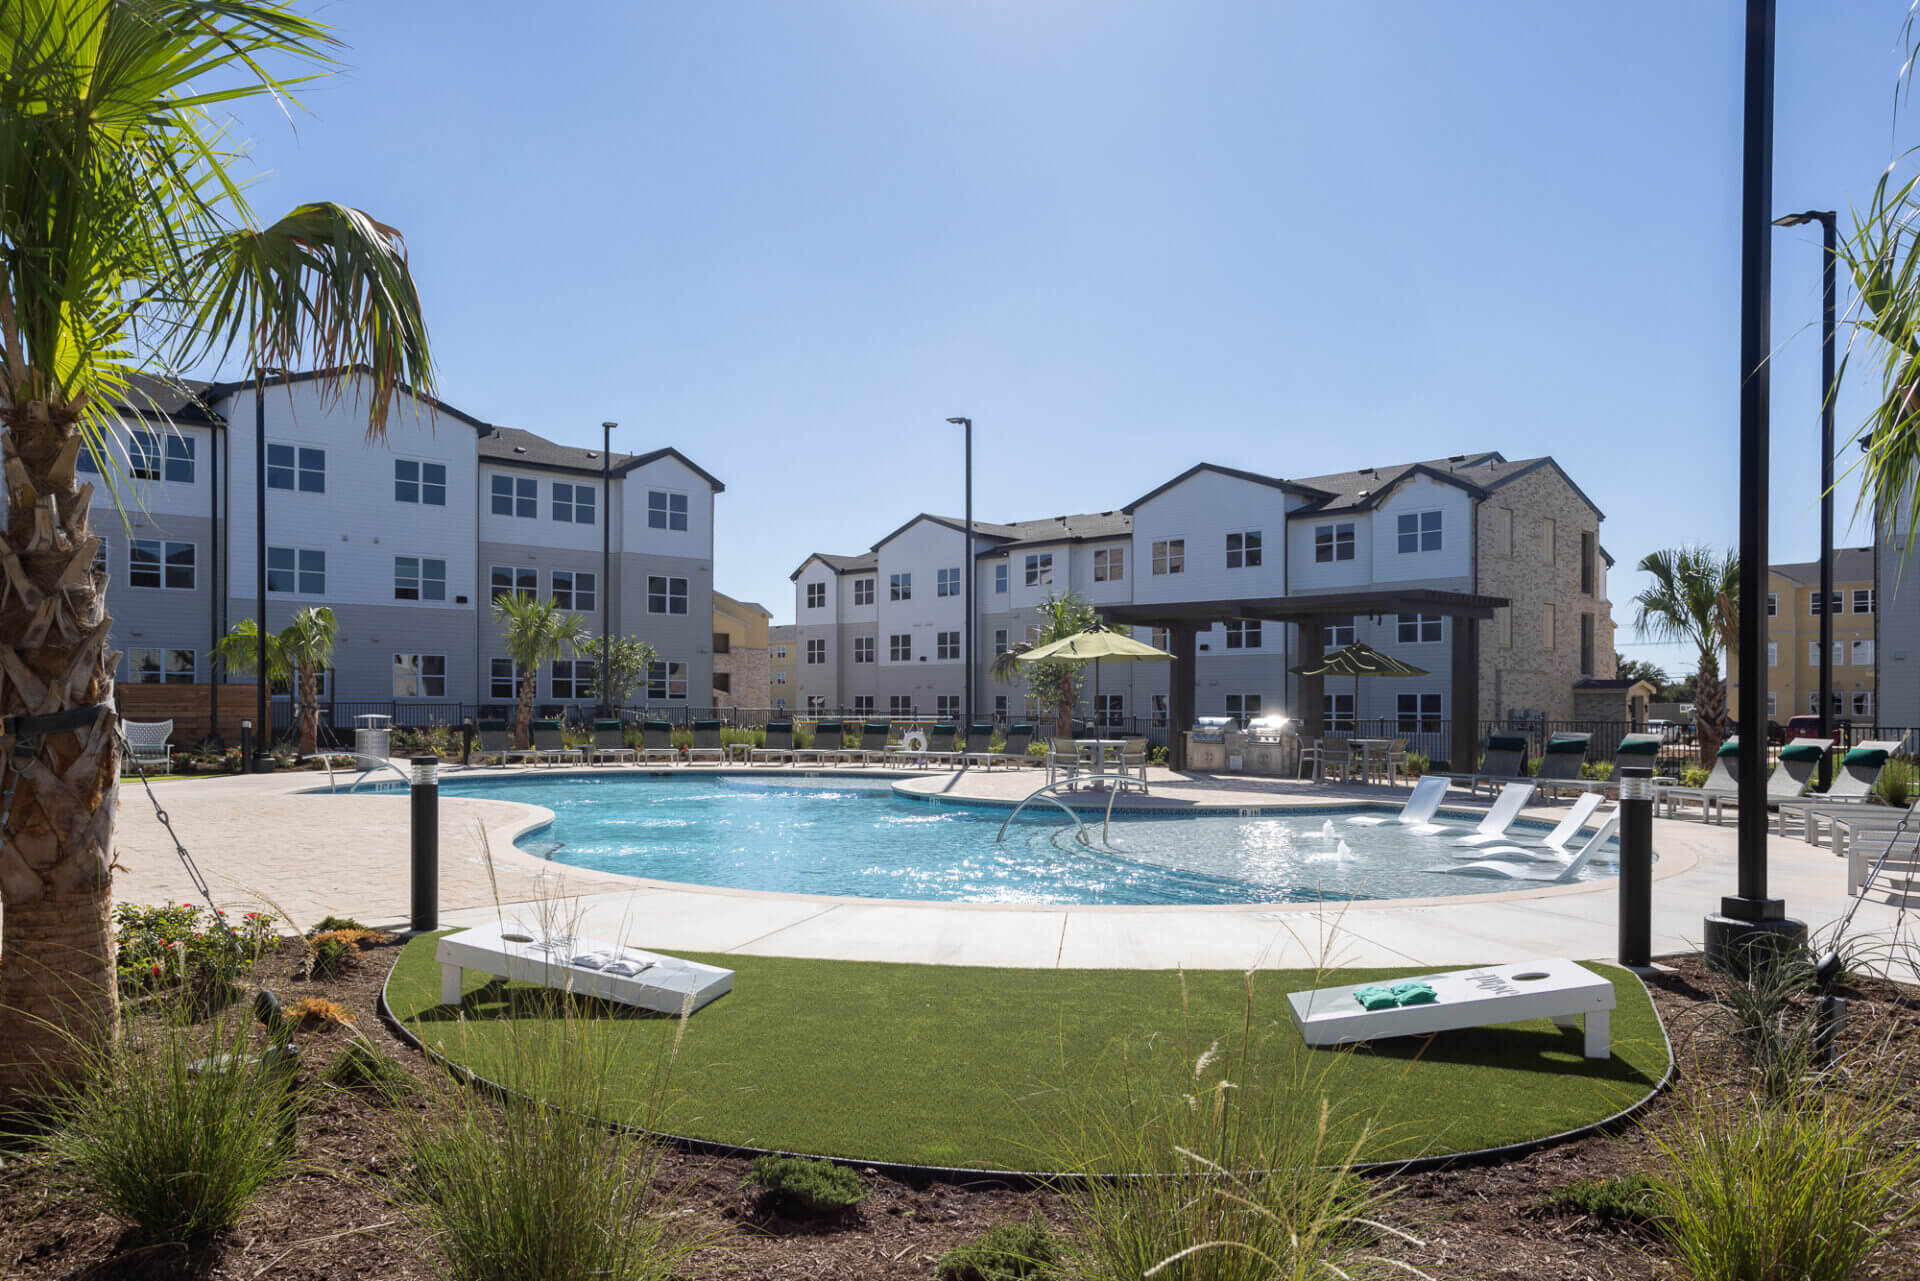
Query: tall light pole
606, 562
262, 756
1749, 920
966, 573
1829, 249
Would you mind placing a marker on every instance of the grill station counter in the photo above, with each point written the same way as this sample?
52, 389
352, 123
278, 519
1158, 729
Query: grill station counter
1269, 746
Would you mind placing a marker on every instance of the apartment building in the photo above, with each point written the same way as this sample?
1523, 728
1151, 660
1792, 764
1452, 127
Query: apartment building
783, 659
1486, 573
740, 667
1896, 669
408, 540
1794, 609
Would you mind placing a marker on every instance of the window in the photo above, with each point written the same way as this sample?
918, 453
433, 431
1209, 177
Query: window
1336, 635
1549, 540
419, 578
160, 666
863, 647
503, 679
1503, 625
578, 590
516, 496
153, 563
816, 704
508, 581
100, 555
816, 595
1862, 653
1813, 604
1243, 634
1331, 542
1586, 644
180, 459
900, 647
1863, 703
1773, 604
1000, 707
299, 571
722, 643
1419, 714
780, 678
862, 591
419, 675
816, 652
947, 646
1589, 563
1244, 706
780, 703
1159, 638
1243, 550
1773, 653
1419, 629
947, 706
280, 688
572, 678
1000, 645
1336, 710
1863, 600
297, 467
1419, 532
779, 651
1109, 564
1549, 619
666, 509
863, 704
1159, 711
900, 704
1500, 531
1773, 704
418, 482
667, 595
143, 456
1839, 653
573, 503
1813, 703
667, 680
946, 582
1040, 569
1170, 556
1000, 579
900, 586
1110, 711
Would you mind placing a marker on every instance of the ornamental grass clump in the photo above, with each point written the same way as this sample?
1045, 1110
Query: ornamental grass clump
178, 1129
364, 1069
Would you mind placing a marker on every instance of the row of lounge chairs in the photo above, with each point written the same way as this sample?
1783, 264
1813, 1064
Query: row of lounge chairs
1549, 859
945, 745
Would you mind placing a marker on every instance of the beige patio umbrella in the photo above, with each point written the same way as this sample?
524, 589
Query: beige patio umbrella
1097, 645
1357, 660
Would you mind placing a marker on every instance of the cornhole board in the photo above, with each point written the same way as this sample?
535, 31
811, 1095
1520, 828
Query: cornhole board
1559, 990
589, 967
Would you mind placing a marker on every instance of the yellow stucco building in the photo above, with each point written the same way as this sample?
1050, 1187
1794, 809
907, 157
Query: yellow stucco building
1793, 638
739, 652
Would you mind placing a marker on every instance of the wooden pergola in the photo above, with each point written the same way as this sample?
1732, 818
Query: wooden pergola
1185, 619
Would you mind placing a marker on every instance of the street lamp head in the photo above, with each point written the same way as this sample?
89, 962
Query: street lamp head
609, 426
958, 421
1801, 219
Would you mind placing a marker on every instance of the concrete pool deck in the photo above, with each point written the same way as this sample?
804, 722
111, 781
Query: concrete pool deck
273, 842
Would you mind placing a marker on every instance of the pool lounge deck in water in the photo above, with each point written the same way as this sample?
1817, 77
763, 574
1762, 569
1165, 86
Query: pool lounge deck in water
271, 837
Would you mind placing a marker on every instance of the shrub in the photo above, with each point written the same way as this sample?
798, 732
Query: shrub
1634, 1200
1599, 771
182, 944
310, 1012
1158, 756
329, 924
333, 954
1898, 782
175, 1152
1004, 1252
807, 1185
1693, 775
1416, 765
359, 1066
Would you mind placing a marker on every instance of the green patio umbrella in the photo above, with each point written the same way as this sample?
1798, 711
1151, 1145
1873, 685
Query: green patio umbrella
1097, 646
1357, 660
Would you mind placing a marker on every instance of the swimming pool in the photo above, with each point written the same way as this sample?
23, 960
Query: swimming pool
854, 837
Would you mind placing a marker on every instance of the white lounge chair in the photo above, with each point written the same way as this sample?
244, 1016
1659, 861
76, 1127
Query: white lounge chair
706, 743
778, 749
1548, 872
1552, 846
1419, 810
1853, 783
1722, 785
656, 742
610, 742
147, 744
550, 744
1506, 807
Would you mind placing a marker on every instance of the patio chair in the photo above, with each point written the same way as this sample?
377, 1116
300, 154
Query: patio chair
1396, 760
1500, 815
1722, 785
778, 749
1337, 758
979, 746
1014, 751
610, 742
1503, 758
496, 740
1133, 760
656, 742
706, 743
1859, 773
1529, 869
1063, 759
1560, 765
871, 743
147, 744
550, 744
1552, 846
1312, 756
829, 743
944, 743
1422, 803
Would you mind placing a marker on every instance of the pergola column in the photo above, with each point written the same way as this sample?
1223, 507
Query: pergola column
1312, 709
1183, 641
1466, 695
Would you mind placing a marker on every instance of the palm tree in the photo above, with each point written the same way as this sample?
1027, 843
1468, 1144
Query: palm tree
126, 247
298, 652
535, 633
1053, 685
1694, 601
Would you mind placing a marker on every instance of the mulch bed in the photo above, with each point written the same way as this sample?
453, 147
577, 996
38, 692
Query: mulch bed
338, 1219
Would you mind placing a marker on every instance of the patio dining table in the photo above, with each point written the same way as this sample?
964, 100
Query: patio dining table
1367, 746
1093, 752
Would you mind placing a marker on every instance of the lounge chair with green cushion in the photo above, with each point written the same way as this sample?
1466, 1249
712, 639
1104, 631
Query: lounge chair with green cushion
872, 741
1560, 765
829, 743
706, 743
944, 743
1799, 763
1014, 750
1722, 785
656, 742
610, 742
778, 749
979, 748
496, 740
1503, 759
550, 743
1853, 783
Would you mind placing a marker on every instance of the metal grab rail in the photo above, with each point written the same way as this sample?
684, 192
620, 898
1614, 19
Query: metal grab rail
1046, 792
368, 764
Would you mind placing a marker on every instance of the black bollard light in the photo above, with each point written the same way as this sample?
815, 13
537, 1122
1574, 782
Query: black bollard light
1636, 866
426, 843
466, 742
1832, 1013
246, 745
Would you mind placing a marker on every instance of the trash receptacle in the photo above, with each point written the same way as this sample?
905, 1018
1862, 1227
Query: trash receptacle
372, 736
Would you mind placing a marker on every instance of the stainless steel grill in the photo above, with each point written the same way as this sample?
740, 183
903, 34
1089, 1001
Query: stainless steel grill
1211, 729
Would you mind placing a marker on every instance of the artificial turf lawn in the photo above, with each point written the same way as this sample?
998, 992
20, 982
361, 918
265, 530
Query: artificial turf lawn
953, 1065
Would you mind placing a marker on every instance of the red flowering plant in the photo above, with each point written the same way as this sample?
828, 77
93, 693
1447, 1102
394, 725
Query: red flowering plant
180, 943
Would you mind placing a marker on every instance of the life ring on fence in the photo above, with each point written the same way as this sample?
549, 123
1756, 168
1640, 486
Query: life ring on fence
914, 742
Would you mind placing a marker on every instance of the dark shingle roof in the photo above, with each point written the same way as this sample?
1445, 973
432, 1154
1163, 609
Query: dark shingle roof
183, 400
840, 564
1850, 565
1084, 527
525, 449
1302, 488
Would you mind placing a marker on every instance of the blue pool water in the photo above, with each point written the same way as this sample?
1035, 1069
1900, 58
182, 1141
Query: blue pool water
853, 837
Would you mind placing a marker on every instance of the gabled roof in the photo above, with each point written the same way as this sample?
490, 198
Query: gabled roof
180, 400
1850, 565
221, 390
1511, 472
1083, 528
525, 449
1305, 489
981, 528
1367, 487
838, 564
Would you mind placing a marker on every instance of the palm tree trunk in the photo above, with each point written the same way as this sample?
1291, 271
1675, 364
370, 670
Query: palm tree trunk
1710, 709
309, 710
523, 722
58, 999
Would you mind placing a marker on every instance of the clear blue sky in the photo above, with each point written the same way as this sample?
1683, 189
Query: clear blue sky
791, 239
